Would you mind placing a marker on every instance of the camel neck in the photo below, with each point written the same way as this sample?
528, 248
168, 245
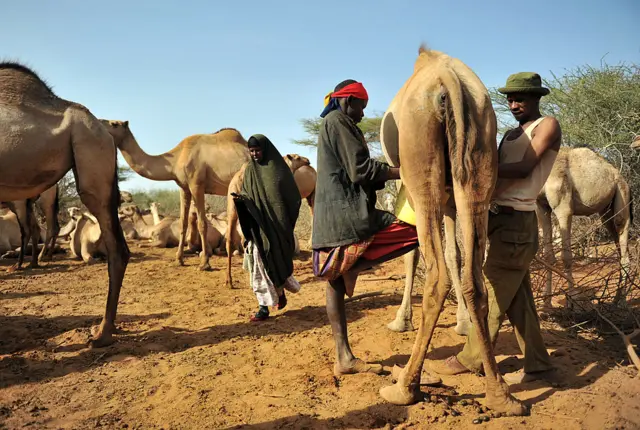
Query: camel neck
154, 167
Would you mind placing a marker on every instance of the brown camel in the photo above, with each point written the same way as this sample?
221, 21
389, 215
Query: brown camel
446, 130
200, 164
583, 183
306, 182
42, 136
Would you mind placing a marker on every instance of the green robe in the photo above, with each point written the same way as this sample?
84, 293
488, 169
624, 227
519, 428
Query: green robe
268, 208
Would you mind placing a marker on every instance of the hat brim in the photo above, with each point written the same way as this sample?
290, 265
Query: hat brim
527, 90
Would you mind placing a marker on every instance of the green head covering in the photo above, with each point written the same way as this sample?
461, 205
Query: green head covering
524, 82
268, 209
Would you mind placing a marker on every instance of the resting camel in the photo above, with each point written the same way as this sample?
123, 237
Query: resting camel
306, 183
583, 183
446, 137
200, 164
42, 136
86, 240
163, 235
10, 237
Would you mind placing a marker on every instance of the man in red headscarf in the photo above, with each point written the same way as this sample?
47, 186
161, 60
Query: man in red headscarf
349, 233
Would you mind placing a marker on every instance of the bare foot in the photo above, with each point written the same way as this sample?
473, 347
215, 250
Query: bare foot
400, 325
12, 268
358, 367
399, 395
425, 379
499, 399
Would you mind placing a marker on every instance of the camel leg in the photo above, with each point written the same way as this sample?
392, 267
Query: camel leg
403, 322
198, 195
231, 235
53, 229
544, 218
564, 223
22, 216
185, 205
618, 222
35, 234
452, 259
97, 184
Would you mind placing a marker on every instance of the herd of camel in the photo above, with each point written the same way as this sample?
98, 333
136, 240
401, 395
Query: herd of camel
440, 129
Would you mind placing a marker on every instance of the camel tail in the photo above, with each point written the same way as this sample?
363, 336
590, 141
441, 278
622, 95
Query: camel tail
461, 131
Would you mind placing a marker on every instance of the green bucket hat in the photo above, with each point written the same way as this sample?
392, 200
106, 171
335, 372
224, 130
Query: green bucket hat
524, 82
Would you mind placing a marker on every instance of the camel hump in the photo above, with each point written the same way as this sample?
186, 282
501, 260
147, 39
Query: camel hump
423, 48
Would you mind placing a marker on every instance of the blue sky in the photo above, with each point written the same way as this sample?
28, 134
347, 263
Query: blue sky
179, 68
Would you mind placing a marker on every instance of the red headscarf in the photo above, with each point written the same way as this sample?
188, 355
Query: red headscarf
356, 90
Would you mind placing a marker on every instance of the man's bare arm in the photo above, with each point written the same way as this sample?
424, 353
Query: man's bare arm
547, 136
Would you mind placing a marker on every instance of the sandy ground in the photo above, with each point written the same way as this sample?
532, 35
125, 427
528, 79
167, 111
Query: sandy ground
187, 357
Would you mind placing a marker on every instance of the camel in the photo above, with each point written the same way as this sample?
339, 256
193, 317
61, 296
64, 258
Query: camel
42, 137
163, 235
155, 213
583, 183
219, 222
445, 135
86, 240
306, 184
304, 175
10, 237
200, 164
215, 239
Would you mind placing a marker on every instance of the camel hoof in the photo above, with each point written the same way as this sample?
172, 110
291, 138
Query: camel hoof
178, 263
205, 267
398, 395
400, 325
462, 328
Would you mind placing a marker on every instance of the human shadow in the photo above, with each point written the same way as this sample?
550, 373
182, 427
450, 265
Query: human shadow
372, 417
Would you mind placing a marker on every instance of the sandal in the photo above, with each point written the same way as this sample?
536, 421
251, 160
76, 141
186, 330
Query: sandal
261, 315
282, 302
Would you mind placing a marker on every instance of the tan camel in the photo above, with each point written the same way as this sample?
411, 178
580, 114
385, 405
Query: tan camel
200, 164
65, 232
166, 234
215, 239
635, 143
155, 213
583, 183
10, 237
304, 183
219, 221
304, 175
86, 240
446, 131
41, 138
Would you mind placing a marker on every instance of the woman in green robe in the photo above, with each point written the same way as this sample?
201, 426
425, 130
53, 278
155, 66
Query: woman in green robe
268, 208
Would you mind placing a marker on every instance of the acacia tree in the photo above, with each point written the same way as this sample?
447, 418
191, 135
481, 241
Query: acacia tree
68, 193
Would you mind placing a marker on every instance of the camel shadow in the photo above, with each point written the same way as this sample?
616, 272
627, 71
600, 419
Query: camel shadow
22, 333
8, 295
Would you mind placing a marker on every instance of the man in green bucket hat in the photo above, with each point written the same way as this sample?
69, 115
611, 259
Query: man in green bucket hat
526, 156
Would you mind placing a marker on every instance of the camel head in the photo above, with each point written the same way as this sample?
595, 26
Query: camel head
295, 161
129, 211
154, 206
125, 197
74, 213
636, 142
119, 130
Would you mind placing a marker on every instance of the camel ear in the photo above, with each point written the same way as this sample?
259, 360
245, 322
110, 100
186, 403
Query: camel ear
113, 123
126, 124
289, 157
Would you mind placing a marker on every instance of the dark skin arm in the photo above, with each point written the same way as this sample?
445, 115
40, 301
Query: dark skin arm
546, 136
